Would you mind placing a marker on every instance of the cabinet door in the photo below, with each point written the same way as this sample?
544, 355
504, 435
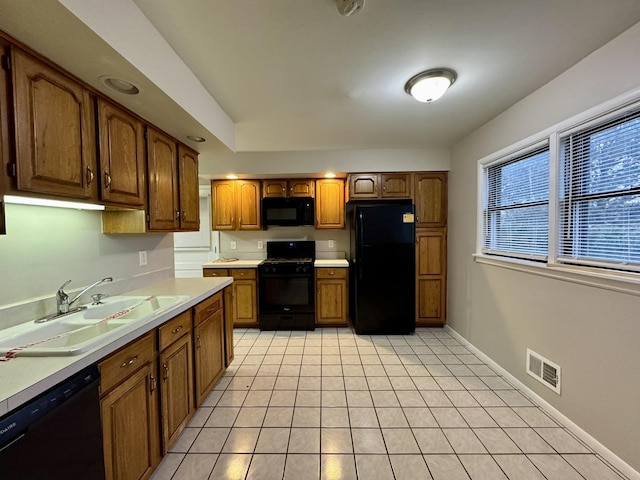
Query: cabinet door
246, 305
248, 204
331, 302
54, 132
130, 427
209, 354
122, 156
330, 203
274, 188
229, 319
163, 181
301, 188
396, 185
431, 272
176, 398
223, 205
4, 136
189, 189
431, 199
363, 185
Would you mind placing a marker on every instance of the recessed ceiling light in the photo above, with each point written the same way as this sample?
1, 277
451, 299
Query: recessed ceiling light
231, 176
120, 85
196, 138
430, 85
329, 175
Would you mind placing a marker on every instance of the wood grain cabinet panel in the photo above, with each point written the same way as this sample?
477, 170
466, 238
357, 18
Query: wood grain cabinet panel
331, 296
223, 205
189, 189
209, 354
5, 181
54, 136
431, 199
330, 203
431, 277
363, 186
163, 181
122, 156
396, 185
248, 204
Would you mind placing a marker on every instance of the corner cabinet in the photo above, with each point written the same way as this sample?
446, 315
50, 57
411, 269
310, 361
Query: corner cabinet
332, 289
55, 142
235, 205
122, 156
330, 203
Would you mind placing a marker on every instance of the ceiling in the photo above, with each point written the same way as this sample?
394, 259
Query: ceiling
295, 75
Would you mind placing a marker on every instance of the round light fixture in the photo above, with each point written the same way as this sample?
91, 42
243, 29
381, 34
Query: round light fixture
231, 176
196, 138
430, 85
119, 85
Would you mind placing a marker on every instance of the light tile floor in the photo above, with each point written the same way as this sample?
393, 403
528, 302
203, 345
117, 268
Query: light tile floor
334, 405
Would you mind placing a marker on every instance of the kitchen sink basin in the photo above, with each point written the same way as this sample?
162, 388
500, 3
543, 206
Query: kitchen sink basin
77, 332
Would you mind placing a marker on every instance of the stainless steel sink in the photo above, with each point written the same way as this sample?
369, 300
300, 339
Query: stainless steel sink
78, 332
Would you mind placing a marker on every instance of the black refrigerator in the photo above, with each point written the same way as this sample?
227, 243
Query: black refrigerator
382, 267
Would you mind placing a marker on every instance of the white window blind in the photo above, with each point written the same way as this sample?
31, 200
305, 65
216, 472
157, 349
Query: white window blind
516, 206
599, 194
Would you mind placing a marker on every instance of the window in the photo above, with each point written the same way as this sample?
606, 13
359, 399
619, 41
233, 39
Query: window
599, 194
516, 205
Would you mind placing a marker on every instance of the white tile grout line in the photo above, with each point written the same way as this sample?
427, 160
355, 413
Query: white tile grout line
598, 447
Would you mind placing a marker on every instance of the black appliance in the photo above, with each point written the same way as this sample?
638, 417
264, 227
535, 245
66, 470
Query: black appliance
57, 435
382, 267
288, 212
286, 286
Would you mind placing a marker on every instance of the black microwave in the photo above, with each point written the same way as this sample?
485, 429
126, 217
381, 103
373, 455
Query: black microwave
288, 212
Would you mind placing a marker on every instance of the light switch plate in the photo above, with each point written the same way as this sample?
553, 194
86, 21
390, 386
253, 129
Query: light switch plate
142, 257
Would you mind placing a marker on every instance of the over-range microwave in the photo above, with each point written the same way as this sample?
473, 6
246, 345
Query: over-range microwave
288, 212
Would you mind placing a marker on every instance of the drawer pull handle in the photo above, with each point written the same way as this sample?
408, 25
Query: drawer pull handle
176, 330
129, 362
332, 273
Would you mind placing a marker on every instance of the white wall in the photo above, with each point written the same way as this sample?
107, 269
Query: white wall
44, 247
591, 332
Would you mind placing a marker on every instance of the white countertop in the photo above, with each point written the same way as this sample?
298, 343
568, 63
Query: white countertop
336, 262
23, 378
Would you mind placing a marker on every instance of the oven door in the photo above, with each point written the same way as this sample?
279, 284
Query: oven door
286, 293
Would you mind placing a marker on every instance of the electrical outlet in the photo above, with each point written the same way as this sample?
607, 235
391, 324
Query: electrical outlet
142, 257
260, 244
331, 244
232, 244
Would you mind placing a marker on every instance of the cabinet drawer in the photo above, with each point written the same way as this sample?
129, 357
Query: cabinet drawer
332, 272
206, 308
243, 273
126, 361
173, 330
215, 272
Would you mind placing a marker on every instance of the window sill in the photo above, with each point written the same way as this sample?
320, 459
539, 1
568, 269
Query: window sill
622, 282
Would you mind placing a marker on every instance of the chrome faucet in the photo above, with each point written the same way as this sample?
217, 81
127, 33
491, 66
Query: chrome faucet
62, 299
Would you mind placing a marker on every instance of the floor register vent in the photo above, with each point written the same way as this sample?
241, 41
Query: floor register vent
546, 372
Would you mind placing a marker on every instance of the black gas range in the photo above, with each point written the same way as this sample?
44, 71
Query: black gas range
286, 286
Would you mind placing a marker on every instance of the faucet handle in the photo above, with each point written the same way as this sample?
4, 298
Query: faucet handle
60, 290
97, 298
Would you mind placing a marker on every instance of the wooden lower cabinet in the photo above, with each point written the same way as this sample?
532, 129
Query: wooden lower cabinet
209, 354
130, 426
176, 389
245, 293
332, 289
431, 277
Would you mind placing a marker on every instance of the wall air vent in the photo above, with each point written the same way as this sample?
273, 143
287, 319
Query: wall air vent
546, 372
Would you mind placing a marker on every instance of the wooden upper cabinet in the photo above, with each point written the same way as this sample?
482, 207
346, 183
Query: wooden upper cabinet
248, 204
189, 189
396, 185
223, 205
54, 134
122, 156
330, 203
288, 188
363, 186
431, 199
5, 183
163, 181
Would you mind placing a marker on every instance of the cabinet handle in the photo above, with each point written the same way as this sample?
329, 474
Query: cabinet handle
166, 371
184, 216
384, 188
198, 342
332, 273
129, 362
153, 384
107, 181
176, 330
90, 175
177, 214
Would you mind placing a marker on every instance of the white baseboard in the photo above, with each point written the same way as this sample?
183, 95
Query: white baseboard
606, 454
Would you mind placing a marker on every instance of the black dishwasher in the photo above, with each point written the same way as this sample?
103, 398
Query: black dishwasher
57, 435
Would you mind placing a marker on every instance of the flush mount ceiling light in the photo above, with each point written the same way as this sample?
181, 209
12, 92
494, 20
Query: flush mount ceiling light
330, 175
196, 138
349, 7
119, 85
231, 176
430, 85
